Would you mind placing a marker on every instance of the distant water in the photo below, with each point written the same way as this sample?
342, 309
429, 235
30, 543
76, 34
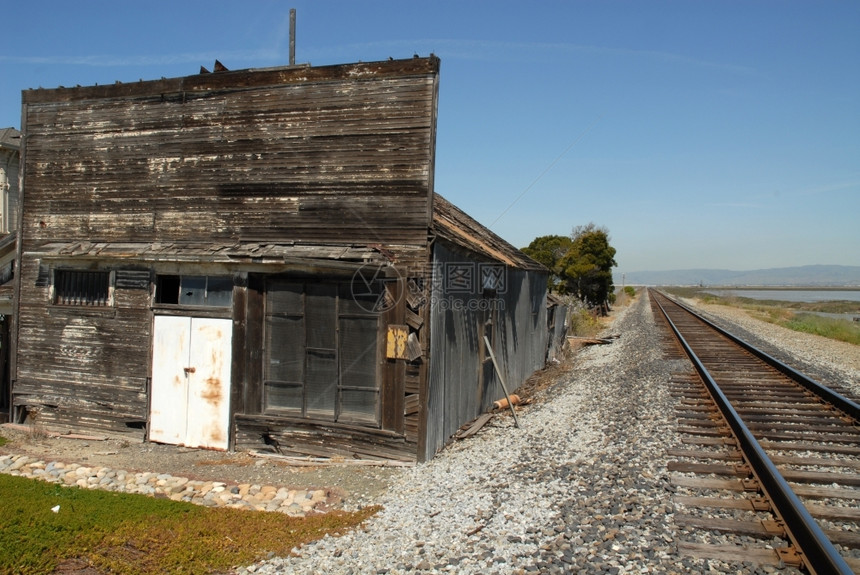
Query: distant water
805, 296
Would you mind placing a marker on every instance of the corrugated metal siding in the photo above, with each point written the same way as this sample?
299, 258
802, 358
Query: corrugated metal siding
460, 388
523, 344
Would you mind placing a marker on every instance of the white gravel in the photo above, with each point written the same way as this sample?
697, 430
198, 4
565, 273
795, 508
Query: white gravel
580, 487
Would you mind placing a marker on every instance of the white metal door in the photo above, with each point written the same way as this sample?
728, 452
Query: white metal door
209, 383
190, 399
168, 401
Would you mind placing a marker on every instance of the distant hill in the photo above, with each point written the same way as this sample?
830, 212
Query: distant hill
817, 275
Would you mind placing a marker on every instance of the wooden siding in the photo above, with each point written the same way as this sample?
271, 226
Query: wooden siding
255, 171
253, 155
84, 368
320, 439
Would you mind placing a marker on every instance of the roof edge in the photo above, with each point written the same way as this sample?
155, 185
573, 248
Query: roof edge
238, 79
456, 226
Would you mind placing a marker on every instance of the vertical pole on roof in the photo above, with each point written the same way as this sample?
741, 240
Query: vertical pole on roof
292, 36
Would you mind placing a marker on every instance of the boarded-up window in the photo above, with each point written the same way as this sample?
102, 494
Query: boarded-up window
321, 353
82, 288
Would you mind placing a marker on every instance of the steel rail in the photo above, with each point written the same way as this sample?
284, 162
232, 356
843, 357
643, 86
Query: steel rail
817, 552
840, 402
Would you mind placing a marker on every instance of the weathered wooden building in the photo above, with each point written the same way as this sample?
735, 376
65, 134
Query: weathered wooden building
257, 259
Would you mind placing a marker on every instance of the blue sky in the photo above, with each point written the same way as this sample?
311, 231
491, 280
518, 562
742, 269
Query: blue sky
712, 134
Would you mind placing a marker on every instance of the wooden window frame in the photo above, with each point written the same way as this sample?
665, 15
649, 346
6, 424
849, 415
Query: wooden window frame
158, 297
95, 288
338, 416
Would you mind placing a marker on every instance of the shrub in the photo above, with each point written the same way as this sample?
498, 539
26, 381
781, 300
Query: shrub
839, 329
584, 323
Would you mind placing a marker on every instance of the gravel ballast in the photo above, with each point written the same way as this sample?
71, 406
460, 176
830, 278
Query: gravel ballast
581, 486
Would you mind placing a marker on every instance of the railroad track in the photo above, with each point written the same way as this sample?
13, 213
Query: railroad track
769, 469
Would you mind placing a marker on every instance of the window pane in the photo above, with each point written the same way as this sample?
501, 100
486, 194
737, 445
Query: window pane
219, 291
285, 342
192, 290
358, 352
321, 313
284, 298
321, 352
358, 405
321, 384
362, 297
283, 396
167, 290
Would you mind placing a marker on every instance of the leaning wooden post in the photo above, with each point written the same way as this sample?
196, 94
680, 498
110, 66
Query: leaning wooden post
502, 380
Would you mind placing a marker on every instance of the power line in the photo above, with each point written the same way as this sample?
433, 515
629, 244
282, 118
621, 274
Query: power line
548, 168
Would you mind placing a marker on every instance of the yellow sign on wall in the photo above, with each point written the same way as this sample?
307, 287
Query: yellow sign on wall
396, 342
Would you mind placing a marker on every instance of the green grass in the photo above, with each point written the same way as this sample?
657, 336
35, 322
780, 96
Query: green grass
140, 535
792, 315
824, 326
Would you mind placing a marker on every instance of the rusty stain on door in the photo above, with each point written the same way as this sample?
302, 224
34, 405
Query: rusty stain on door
194, 353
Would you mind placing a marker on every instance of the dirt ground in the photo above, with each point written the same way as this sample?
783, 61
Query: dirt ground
355, 484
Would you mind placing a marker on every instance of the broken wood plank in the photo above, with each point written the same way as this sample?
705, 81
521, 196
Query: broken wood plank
36, 430
79, 436
331, 461
414, 320
474, 426
413, 347
590, 340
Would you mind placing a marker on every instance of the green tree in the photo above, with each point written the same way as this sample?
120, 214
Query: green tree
587, 266
549, 251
